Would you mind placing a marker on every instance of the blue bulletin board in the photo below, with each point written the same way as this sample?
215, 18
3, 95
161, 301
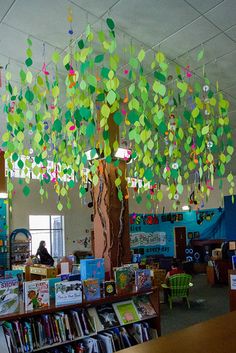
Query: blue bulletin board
153, 234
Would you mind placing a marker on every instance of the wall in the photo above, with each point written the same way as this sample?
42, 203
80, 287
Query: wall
77, 220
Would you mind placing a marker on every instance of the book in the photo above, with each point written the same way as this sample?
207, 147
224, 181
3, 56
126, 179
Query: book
91, 289
65, 276
92, 268
107, 316
126, 312
143, 279
36, 294
144, 307
68, 292
52, 282
9, 296
14, 274
109, 288
124, 279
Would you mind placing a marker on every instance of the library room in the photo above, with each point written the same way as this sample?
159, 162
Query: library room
117, 176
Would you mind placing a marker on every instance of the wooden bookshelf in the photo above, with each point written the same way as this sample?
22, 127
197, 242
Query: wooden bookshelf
154, 320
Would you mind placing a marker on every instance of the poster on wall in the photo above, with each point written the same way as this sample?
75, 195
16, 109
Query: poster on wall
146, 238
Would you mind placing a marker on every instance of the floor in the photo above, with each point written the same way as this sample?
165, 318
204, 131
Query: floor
206, 302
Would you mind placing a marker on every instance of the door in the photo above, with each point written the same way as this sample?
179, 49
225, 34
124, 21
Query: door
180, 242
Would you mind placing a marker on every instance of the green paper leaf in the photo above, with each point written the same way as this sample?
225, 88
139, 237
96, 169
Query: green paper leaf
29, 96
28, 62
26, 190
111, 97
205, 130
141, 55
59, 206
81, 44
55, 57
200, 55
110, 23
148, 174
139, 199
230, 150
90, 131
133, 116
118, 118
105, 110
160, 57
99, 58
57, 125
159, 76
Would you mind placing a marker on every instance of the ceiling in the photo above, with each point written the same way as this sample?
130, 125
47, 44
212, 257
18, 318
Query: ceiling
180, 28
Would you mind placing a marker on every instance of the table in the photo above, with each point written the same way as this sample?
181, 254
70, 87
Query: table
36, 271
213, 336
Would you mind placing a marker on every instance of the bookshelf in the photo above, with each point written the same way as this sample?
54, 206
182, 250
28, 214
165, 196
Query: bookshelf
22, 315
20, 246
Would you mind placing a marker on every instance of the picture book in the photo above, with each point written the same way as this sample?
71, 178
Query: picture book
91, 289
14, 274
92, 268
9, 296
65, 276
124, 279
107, 316
52, 282
143, 279
126, 312
36, 294
144, 307
68, 292
109, 288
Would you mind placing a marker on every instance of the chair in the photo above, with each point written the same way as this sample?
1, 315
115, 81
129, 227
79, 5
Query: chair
178, 287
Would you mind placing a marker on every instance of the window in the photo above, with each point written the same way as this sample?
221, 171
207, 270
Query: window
51, 230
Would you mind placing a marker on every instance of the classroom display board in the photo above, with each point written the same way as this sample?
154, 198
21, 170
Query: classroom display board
153, 234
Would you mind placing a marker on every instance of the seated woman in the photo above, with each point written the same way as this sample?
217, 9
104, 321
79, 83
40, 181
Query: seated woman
175, 269
45, 257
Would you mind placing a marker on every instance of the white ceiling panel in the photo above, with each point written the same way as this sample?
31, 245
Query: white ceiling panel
98, 8
47, 20
223, 15
203, 5
213, 49
153, 20
189, 37
5, 5
232, 32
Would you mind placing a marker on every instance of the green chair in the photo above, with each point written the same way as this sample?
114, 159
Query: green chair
178, 287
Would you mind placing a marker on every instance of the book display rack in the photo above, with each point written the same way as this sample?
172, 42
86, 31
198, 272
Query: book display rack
105, 325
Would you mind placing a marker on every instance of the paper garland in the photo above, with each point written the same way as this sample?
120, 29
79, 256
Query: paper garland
175, 126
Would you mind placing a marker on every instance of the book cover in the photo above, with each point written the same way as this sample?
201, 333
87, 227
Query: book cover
14, 274
107, 316
126, 312
109, 288
68, 292
124, 279
65, 276
36, 294
144, 307
143, 279
9, 296
92, 268
52, 282
91, 289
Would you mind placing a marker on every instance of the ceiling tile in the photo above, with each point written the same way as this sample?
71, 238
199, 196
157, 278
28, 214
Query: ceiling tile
13, 47
151, 21
203, 5
47, 20
98, 8
232, 32
189, 37
5, 6
214, 48
223, 15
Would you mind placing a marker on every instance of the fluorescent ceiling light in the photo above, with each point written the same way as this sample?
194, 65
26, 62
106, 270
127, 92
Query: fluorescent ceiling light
185, 208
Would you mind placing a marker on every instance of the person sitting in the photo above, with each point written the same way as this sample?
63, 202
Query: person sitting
175, 269
45, 257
